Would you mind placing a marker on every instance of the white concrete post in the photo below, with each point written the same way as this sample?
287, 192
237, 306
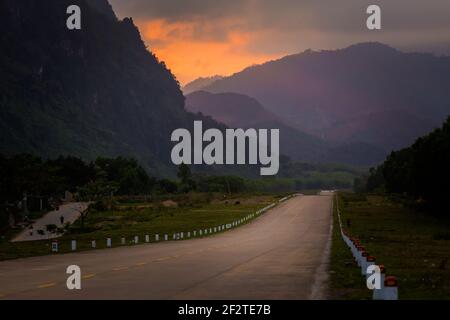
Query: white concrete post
378, 293
55, 246
390, 291
364, 256
166, 237
94, 244
136, 240
74, 245
108, 242
189, 234
359, 256
122, 241
147, 238
156, 237
370, 261
182, 235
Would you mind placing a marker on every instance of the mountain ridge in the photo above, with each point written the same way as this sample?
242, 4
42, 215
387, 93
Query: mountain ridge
319, 90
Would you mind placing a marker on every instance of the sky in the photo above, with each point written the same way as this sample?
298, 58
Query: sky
198, 38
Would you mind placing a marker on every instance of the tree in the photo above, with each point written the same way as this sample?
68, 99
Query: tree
421, 171
185, 175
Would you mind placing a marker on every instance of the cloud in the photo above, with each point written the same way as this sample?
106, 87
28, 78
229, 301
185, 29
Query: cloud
329, 15
271, 28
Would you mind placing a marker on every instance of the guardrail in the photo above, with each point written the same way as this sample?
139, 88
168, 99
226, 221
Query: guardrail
201, 232
388, 284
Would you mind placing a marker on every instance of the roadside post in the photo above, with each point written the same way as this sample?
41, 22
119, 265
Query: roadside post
108, 243
370, 261
94, 244
390, 291
74, 245
55, 246
378, 293
364, 256
358, 255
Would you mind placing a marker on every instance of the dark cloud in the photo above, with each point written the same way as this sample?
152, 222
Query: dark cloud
279, 27
327, 15
177, 10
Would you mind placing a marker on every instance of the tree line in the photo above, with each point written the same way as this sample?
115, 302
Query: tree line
421, 171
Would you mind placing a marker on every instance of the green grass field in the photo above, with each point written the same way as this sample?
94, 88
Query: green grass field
139, 217
413, 246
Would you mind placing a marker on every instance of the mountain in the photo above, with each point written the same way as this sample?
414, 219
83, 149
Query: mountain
233, 109
367, 93
241, 111
92, 92
199, 84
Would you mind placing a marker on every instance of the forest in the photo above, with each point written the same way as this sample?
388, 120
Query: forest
420, 172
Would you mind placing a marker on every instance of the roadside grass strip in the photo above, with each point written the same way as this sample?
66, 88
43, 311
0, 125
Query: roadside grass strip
387, 285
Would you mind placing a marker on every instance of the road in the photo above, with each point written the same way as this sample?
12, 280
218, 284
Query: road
70, 211
283, 254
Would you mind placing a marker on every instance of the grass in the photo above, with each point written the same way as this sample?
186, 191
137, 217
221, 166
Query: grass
130, 218
414, 247
346, 281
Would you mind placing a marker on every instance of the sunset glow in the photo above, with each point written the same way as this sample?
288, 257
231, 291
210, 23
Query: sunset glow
197, 38
190, 57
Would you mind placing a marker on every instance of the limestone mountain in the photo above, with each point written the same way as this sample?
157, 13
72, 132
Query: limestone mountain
92, 92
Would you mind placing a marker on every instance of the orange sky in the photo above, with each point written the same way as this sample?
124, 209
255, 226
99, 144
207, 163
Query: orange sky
190, 57
200, 38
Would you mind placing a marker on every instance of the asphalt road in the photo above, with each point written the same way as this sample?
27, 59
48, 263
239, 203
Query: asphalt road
283, 254
70, 211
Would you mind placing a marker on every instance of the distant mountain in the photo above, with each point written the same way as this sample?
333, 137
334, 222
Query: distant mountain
199, 84
233, 109
241, 111
91, 92
367, 93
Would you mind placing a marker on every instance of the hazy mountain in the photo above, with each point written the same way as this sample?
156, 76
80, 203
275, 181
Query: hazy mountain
199, 84
241, 111
91, 92
368, 93
233, 109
